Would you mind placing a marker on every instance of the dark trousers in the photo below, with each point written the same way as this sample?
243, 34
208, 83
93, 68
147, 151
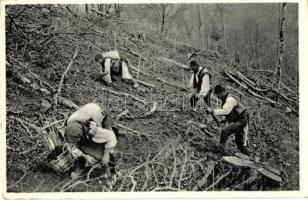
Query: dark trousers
236, 127
207, 100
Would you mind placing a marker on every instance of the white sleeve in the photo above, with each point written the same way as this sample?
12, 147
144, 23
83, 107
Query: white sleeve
103, 135
107, 77
112, 142
111, 54
191, 81
227, 107
125, 72
205, 87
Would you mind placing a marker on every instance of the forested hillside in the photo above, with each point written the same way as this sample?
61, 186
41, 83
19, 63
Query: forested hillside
51, 72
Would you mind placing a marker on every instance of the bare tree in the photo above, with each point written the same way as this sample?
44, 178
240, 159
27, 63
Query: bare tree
161, 13
199, 26
277, 76
221, 8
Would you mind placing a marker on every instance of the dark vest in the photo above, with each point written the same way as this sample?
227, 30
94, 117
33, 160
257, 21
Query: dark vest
237, 112
200, 75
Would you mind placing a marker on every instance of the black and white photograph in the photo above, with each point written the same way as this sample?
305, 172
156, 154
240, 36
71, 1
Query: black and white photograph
151, 97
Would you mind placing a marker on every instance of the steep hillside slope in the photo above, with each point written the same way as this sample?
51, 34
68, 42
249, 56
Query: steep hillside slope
163, 152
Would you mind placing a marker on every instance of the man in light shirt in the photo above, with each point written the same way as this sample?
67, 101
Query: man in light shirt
115, 67
200, 81
90, 139
237, 117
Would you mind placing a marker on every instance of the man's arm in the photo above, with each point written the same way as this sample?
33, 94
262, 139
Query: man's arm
227, 107
191, 81
125, 72
205, 86
107, 76
106, 156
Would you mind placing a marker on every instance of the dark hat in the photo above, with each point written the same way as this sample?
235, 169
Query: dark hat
194, 63
98, 57
218, 89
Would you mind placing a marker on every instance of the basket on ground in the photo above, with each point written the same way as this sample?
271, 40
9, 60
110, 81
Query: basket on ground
62, 163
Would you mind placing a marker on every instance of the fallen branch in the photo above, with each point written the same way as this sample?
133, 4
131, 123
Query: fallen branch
125, 94
247, 80
172, 84
33, 74
53, 123
100, 13
204, 178
145, 83
63, 75
134, 53
246, 83
67, 103
262, 70
118, 117
165, 188
14, 184
131, 130
183, 166
104, 33
250, 91
135, 70
174, 62
218, 180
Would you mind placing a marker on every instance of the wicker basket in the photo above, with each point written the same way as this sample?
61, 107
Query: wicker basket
62, 163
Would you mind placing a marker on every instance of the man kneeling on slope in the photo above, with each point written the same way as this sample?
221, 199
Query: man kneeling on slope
115, 67
87, 140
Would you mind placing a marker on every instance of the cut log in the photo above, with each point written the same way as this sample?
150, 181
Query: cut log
174, 62
172, 84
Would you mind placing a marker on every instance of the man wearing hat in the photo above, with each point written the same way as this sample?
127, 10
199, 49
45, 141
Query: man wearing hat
115, 67
200, 81
236, 115
90, 138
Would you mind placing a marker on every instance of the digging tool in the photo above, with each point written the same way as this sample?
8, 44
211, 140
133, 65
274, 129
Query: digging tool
214, 117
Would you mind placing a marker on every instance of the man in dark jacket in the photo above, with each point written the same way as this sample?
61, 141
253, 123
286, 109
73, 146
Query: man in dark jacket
200, 81
237, 117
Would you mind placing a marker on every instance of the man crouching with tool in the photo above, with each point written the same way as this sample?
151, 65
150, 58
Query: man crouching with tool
237, 117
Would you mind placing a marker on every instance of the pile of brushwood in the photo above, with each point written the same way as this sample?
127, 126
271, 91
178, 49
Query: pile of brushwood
163, 145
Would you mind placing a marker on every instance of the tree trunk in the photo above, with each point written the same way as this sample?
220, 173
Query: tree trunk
163, 20
277, 76
199, 25
208, 37
224, 30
